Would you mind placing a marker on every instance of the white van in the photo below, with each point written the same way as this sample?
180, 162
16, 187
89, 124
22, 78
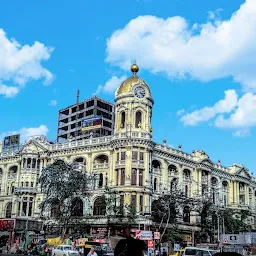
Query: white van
194, 251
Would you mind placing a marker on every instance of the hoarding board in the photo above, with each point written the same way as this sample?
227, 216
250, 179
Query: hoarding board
156, 235
91, 123
7, 224
236, 239
144, 235
12, 141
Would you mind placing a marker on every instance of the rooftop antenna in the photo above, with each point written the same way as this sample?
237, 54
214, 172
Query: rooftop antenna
77, 109
77, 96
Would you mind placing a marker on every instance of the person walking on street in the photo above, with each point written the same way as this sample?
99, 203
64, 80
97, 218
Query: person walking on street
92, 252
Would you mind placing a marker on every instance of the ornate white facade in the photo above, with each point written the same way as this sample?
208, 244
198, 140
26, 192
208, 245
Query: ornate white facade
129, 161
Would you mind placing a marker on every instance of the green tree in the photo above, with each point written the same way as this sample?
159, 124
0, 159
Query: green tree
64, 186
115, 212
168, 210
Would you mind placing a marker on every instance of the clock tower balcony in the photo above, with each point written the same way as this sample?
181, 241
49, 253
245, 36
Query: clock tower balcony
133, 134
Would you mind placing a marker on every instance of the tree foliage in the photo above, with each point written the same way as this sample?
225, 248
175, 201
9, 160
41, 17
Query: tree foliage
63, 186
115, 212
212, 215
170, 208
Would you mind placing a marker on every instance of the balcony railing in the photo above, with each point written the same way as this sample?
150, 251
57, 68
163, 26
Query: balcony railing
120, 162
241, 191
137, 162
100, 165
29, 190
73, 144
156, 169
187, 179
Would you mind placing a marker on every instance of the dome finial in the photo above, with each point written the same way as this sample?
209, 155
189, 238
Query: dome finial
134, 68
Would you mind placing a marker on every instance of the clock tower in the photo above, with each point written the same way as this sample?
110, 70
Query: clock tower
133, 106
132, 142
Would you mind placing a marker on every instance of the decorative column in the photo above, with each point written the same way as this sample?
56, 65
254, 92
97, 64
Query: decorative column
230, 197
200, 181
128, 166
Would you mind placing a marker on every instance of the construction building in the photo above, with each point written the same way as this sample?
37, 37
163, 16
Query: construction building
72, 118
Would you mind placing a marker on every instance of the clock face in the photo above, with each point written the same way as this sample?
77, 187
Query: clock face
139, 92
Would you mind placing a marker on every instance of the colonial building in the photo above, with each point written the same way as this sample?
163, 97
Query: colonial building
129, 161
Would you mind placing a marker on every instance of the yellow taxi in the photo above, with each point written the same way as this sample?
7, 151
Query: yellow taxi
178, 253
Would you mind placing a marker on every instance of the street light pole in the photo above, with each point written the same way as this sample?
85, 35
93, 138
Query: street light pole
218, 220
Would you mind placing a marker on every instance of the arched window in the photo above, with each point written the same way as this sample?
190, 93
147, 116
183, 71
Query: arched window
138, 119
172, 169
155, 184
186, 214
12, 172
80, 163
8, 212
214, 182
99, 207
101, 180
122, 124
77, 207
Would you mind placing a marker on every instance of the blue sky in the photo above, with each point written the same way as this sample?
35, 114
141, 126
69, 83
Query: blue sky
198, 57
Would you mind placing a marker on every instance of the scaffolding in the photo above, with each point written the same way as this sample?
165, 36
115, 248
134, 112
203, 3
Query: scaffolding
70, 119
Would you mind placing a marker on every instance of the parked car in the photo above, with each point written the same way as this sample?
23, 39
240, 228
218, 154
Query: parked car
194, 251
65, 250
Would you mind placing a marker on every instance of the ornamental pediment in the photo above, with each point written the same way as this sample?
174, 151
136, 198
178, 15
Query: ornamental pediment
34, 146
243, 172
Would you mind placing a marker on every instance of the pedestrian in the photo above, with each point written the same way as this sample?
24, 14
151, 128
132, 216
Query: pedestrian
164, 253
129, 246
92, 252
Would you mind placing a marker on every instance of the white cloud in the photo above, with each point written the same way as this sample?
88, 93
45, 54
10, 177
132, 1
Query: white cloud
243, 115
25, 133
223, 106
111, 85
53, 103
242, 133
230, 113
8, 91
21, 63
208, 51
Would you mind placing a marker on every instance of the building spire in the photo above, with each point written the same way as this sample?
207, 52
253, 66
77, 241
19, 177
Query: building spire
134, 68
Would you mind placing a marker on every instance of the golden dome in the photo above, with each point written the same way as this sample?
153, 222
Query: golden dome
127, 85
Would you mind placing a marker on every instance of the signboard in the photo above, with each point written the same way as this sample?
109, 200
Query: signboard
6, 224
236, 239
156, 235
187, 238
11, 141
150, 251
144, 235
151, 244
91, 123
176, 247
